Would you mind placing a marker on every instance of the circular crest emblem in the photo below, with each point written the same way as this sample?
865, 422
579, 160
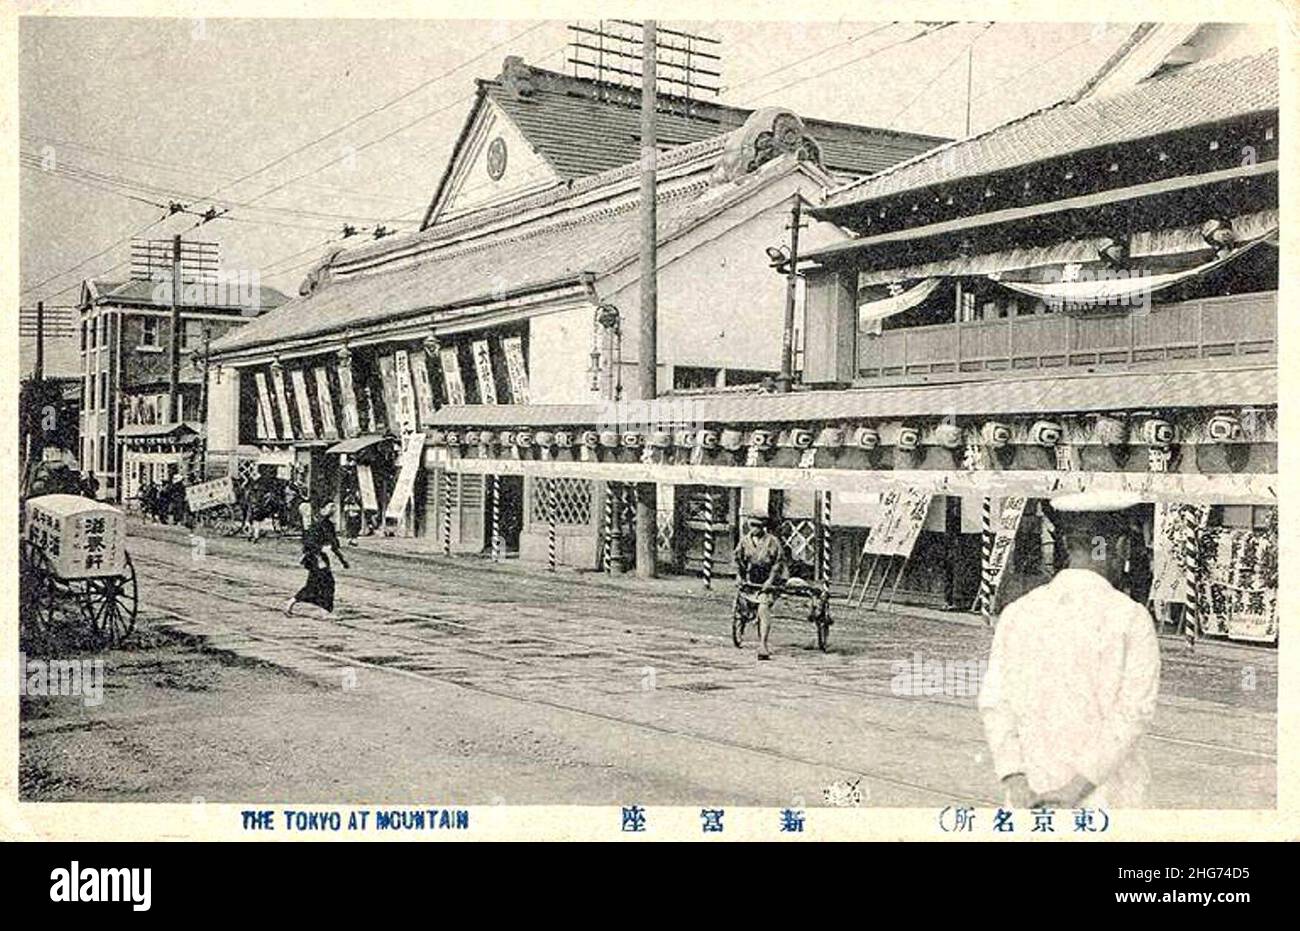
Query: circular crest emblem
496, 158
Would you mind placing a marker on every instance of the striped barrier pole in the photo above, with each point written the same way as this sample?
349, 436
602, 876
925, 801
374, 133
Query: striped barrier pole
825, 538
550, 526
985, 597
1192, 612
607, 544
446, 513
708, 540
497, 541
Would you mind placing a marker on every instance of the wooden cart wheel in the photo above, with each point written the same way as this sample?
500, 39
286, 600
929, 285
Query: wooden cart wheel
113, 601
739, 618
36, 589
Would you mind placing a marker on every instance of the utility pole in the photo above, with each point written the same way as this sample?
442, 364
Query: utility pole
39, 375
174, 379
647, 531
970, 64
203, 403
784, 380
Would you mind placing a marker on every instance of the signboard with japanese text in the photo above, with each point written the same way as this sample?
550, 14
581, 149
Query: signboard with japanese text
1005, 526
266, 419
282, 400
81, 538
517, 368
348, 400
366, 484
408, 468
451, 380
423, 387
902, 517
487, 388
405, 392
210, 494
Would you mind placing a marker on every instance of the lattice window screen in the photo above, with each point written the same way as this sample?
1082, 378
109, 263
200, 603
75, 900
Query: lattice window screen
572, 501
799, 534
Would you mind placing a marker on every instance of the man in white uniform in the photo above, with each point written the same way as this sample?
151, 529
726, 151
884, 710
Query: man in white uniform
1073, 674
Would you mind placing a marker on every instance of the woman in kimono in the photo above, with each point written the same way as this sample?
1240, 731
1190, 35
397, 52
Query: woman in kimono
319, 590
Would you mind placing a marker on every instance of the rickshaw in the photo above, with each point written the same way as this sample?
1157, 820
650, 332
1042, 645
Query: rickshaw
792, 590
73, 557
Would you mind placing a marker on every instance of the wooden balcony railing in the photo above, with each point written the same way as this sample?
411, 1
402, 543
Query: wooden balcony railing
1236, 325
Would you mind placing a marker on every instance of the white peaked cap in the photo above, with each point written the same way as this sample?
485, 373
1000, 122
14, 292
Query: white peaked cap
1094, 501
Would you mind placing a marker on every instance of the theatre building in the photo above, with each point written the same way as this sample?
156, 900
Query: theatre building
520, 292
1082, 298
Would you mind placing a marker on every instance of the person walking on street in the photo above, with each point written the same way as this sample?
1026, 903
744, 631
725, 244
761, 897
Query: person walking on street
760, 561
319, 589
1074, 671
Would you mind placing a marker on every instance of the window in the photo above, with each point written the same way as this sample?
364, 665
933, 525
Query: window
93, 331
694, 376
91, 382
102, 445
192, 334
149, 333
83, 335
103, 330
103, 390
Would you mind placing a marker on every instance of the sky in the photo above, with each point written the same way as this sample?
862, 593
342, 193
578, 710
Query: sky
288, 123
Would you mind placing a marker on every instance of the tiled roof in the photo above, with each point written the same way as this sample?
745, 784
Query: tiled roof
1002, 396
141, 291
1191, 96
490, 269
579, 133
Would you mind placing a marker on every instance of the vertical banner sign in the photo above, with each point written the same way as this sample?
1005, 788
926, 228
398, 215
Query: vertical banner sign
887, 518
452, 384
516, 368
914, 505
409, 467
405, 392
282, 399
262, 432
326, 401
299, 379
423, 388
1004, 539
348, 399
1168, 569
487, 388
388, 377
366, 484
264, 408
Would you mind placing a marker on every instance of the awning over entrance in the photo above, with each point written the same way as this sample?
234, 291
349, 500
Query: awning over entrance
355, 445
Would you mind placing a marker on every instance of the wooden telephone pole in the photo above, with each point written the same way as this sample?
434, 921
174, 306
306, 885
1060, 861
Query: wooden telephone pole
647, 530
174, 377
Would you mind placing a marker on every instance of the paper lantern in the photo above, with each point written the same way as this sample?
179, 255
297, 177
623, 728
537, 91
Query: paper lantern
589, 439
487, 438
1157, 432
732, 440
453, 438
684, 439
831, 437
506, 438
1224, 428
762, 439
544, 438
437, 438
800, 438
866, 437
948, 435
1045, 433
707, 439
661, 439
563, 439
472, 438
995, 434
609, 438
909, 438
524, 438
633, 440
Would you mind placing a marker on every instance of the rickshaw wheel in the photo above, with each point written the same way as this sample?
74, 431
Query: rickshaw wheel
112, 602
36, 585
739, 619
